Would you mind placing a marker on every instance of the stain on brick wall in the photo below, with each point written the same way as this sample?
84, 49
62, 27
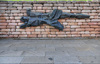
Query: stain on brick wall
11, 12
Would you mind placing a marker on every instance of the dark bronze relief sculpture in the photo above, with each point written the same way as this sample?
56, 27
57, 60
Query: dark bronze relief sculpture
36, 19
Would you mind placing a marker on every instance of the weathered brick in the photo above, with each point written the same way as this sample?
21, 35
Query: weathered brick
55, 7
12, 18
85, 35
32, 36
94, 26
19, 8
95, 20
15, 33
15, 11
28, 30
75, 26
39, 30
66, 10
48, 5
85, 26
40, 11
76, 35
62, 8
17, 18
85, 10
3, 5
36, 32
5, 30
2, 27
94, 32
77, 5
37, 5
94, 4
2, 21
3, 8
27, 7
3, 24
76, 11
20, 29
22, 35
23, 11
46, 8
80, 20
58, 4
60, 33
52, 36
17, 5
80, 8
4, 18
12, 24
39, 8
89, 29
71, 8
49, 26
68, 5
80, 29
34, 8
84, 5
48, 11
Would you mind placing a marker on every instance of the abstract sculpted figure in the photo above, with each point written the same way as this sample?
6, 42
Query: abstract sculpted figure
36, 19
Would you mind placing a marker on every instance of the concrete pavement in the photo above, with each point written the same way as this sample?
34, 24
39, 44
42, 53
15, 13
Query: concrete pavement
71, 51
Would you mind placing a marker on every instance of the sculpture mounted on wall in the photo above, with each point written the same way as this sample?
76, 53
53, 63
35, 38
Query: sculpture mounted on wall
37, 18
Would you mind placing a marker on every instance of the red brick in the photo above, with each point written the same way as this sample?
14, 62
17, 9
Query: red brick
2, 27
35, 32
39, 36
5, 29
22, 35
34, 8
44, 35
76, 11
93, 14
15, 33
3, 24
49, 26
13, 30
47, 30
80, 20
1, 33
53, 36
66, 29
52, 33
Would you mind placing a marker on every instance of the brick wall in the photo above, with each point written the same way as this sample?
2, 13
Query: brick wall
11, 12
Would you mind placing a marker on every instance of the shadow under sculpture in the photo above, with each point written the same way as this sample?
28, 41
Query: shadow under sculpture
37, 18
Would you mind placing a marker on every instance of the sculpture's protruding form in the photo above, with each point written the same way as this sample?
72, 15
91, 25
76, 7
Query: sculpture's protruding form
37, 18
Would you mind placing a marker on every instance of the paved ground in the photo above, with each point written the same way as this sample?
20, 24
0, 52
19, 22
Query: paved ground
75, 51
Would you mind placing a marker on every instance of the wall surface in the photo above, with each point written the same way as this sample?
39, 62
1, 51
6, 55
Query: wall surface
11, 12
